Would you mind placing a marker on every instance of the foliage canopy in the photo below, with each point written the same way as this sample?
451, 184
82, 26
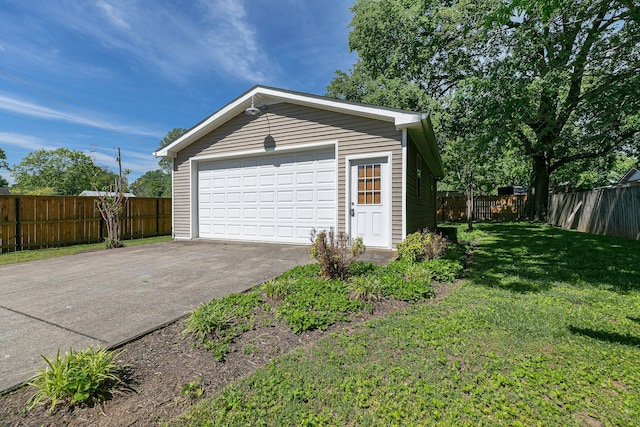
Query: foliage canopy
68, 172
556, 79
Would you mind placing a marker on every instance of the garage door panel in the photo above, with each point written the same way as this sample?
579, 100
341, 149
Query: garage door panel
304, 178
285, 213
304, 196
304, 214
233, 182
285, 196
234, 197
274, 197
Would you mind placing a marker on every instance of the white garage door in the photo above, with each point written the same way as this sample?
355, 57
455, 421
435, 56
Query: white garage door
271, 198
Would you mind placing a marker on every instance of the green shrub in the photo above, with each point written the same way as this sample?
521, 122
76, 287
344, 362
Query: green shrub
399, 266
363, 268
335, 252
406, 281
422, 245
410, 248
444, 270
365, 288
78, 377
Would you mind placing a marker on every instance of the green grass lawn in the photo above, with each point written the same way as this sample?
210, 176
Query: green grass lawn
545, 330
33, 255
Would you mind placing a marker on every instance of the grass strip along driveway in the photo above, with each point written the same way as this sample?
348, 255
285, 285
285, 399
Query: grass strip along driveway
38, 254
544, 330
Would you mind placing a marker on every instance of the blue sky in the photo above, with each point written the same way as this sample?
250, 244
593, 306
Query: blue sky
94, 75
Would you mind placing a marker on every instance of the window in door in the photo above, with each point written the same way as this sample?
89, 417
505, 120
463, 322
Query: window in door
369, 184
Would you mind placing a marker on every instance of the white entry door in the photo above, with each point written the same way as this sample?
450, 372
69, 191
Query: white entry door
369, 201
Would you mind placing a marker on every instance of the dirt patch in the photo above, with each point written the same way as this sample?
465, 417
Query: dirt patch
167, 373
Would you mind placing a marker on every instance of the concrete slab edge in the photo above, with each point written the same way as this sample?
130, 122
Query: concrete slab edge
134, 338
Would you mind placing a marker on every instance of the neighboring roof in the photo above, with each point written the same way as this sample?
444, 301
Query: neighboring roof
632, 175
4, 191
89, 193
418, 124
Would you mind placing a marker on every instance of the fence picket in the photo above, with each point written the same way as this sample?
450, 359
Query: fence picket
36, 222
486, 208
607, 211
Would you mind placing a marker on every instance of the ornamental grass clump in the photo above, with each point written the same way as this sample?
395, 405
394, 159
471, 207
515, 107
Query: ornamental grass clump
335, 252
78, 377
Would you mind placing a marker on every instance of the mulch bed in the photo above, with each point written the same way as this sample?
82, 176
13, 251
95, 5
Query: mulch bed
161, 363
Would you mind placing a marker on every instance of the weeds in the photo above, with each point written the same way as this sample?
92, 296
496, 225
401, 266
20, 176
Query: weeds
216, 323
541, 332
194, 390
316, 304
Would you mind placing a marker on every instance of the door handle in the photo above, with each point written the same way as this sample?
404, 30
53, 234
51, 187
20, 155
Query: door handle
353, 212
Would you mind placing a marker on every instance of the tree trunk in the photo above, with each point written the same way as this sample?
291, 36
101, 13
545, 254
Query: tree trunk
469, 194
538, 194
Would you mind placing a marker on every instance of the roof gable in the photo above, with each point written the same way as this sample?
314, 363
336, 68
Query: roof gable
262, 96
632, 174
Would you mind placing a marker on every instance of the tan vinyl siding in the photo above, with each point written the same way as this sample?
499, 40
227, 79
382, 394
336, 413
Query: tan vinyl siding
291, 125
421, 212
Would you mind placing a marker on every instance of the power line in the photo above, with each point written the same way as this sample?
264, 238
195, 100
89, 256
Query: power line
73, 110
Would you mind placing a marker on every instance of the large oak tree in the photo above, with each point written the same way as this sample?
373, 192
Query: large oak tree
557, 77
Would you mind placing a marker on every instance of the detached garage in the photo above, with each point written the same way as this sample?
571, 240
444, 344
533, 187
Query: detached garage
274, 164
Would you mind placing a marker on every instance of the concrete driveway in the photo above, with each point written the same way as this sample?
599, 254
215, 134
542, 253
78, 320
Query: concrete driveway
109, 297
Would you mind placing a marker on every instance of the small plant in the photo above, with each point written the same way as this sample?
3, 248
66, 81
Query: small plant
194, 389
365, 288
335, 252
278, 288
216, 323
210, 319
422, 245
77, 377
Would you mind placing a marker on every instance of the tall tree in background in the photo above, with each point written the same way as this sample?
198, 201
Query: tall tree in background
559, 78
156, 183
67, 172
3, 165
165, 163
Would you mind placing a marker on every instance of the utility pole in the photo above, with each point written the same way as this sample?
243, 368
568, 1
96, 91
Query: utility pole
119, 159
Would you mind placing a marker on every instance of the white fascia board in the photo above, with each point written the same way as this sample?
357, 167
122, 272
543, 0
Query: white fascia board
401, 119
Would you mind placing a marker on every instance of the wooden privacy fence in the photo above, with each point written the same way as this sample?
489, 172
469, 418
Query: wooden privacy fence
607, 211
486, 208
35, 222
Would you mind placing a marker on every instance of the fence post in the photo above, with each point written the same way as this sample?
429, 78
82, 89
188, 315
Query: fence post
157, 217
18, 237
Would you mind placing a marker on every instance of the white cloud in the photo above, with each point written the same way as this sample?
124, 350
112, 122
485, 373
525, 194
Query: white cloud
26, 142
29, 109
180, 41
113, 15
